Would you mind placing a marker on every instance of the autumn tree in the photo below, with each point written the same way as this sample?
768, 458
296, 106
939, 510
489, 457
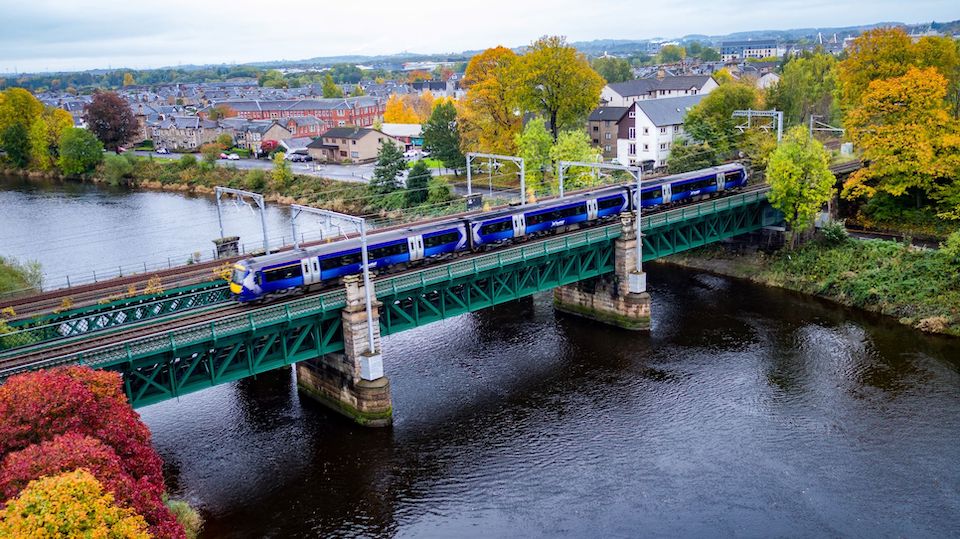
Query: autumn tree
218, 112
910, 142
39, 406
80, 151
386, 173
128, 79
441, 136
358, 91
111, 120
72, 451
330, 88
884, 53
423, 105
533, 145
281, 176
417, 182
69, 505
489, 118
711, 121
398, 112
558, 82
807, 86
613, 69
800, 179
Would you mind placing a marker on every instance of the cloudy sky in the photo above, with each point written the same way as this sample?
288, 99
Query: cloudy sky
45, 35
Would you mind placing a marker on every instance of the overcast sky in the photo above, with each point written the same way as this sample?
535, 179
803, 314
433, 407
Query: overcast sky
44, 35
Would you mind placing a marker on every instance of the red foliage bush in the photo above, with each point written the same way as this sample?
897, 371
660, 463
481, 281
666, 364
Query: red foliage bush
40, 405
73, 451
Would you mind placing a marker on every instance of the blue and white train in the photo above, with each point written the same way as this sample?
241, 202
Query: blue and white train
294, 271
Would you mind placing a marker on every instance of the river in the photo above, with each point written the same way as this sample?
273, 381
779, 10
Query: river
746, 411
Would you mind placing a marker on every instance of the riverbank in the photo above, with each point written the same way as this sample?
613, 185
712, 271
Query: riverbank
918, 287
191, 176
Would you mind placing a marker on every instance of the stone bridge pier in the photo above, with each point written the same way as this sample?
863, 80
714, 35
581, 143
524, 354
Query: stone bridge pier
352, 382
619, 299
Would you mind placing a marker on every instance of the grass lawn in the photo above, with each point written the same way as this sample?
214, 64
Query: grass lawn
429, 161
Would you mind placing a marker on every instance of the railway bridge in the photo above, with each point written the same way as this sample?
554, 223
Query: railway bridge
197, 337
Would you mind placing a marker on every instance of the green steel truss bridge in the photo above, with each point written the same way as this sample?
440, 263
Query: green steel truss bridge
162, 355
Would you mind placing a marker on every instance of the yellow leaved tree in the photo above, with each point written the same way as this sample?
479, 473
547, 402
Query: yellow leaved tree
72, 504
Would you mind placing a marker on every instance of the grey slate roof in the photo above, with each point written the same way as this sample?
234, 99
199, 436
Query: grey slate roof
651, 84
669, 110
347, 132
634, 87
607, 113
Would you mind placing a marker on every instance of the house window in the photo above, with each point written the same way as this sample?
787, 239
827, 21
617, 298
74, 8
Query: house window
633, 114
632, 133
606, 148
353, 142
663, 145
608, 135
595, 141
646, 130
355, 155
632, 149
646, 147
596, 128
678, 129
663, 130
341, 123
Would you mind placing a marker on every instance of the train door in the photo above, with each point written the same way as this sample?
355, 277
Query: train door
721, 180
519, 225
311, 270
591, 209
415, 247
667, 193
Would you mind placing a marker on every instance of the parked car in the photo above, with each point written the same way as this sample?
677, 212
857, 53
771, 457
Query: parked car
163, 151
412, 154
295, 157
233, 157
223, 156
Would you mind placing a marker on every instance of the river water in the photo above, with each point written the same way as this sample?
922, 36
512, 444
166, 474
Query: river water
745, 411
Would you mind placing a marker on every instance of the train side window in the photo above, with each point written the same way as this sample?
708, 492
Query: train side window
388, 250
611, 202
440, 239
280, 274
493, 228
652, 194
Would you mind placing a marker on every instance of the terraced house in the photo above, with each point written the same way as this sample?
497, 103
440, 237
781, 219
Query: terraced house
184, 132
337, 112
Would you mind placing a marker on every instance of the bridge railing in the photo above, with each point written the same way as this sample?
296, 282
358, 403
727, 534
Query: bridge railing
704, 208
95, 319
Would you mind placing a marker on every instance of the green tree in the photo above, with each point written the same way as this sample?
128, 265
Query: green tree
533, 146
692, 156
80, 151
670, 54
358, 91
710, 54
386, 173
16, 143
330, 88
417, 182
210, 152
574, 145
117, 169
800, 179
441, 136
807, 86
72, 504
282, 176
613, 69
712, 121
558, 82
225, 141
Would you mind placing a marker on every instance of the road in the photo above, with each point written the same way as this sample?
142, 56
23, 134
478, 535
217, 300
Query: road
349, 173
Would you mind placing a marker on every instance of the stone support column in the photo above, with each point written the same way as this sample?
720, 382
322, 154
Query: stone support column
352, 382
619, 299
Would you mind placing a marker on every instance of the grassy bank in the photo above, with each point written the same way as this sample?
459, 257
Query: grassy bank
920, 288
16, 276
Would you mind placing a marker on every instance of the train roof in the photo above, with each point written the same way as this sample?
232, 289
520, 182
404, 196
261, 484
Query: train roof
374, 238
549, 203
